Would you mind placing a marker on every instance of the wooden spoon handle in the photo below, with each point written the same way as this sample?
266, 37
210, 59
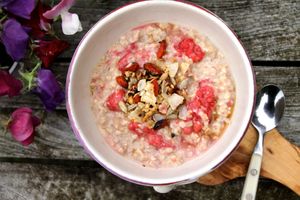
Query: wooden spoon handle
281, 161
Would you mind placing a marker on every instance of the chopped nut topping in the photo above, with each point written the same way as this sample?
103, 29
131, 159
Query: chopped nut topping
155, 91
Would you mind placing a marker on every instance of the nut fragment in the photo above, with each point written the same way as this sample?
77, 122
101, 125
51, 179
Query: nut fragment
141, 85
173, 68
122, 81
122, 106
184, 67
136, 98
162, 49
133, 67
155, 86
175, 100
152, 69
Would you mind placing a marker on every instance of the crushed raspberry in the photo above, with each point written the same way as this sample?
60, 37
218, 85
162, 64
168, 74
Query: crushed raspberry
204, 100
127, 54
112, 101
157, 141
188, 47
187, 130
131, 53
135, 128
206, 97
149, 134
197, 126
123, 61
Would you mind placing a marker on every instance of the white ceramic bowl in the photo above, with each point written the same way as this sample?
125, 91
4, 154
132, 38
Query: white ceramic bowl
106, 32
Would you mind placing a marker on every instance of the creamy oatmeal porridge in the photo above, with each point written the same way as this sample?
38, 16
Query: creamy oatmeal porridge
162, 95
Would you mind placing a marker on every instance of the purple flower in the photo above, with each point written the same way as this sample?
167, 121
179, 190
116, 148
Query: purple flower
22, 125
15, 39
49, 90
20, 8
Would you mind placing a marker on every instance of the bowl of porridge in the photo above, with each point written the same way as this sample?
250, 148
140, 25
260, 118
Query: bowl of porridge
160, 92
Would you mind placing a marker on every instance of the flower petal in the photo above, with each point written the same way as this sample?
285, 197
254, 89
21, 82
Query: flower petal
61, 7
19, 8
29, 140
21, 126
35, 121
9, 85
49, 90
47, 51
38, 23
15, 39
70, 23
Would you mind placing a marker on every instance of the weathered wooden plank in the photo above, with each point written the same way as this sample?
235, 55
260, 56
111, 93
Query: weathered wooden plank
269, 30
36, 181
54, 140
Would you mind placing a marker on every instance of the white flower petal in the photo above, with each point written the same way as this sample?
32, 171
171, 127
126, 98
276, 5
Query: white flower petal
70, 23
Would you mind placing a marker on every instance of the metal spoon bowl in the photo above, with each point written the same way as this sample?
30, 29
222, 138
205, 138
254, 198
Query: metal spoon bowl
269, 108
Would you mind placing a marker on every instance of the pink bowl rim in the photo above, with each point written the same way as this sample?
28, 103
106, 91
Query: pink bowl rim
71, 117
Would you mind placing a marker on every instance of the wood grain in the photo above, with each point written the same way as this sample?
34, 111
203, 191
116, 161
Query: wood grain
22, 181
54, 140
269, 30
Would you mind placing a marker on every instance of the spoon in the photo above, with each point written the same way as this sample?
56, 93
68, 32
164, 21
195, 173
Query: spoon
269, 108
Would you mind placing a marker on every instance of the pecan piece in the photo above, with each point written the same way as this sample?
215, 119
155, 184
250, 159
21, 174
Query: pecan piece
152, 69
136, 98
122, 81
155, 86
133, 67
161, 49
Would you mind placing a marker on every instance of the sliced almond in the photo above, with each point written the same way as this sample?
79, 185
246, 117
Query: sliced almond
175, 100
184, 67
141, 85
172, 68
183, 84
122, 106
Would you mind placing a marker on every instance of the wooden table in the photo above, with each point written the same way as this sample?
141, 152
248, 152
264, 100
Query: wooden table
55, 165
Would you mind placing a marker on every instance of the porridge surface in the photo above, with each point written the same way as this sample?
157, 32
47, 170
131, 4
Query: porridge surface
162, 95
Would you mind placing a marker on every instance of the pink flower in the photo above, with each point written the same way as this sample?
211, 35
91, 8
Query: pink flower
22, 125
9, 85
70, 21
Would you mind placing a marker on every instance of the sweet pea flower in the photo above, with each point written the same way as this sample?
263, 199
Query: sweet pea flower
49, 90
22, 125
70, 21
37, 23
9, 85
15, 39
47, 51
20, 8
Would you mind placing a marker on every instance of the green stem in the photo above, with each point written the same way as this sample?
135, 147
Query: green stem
3, 18
29, 76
